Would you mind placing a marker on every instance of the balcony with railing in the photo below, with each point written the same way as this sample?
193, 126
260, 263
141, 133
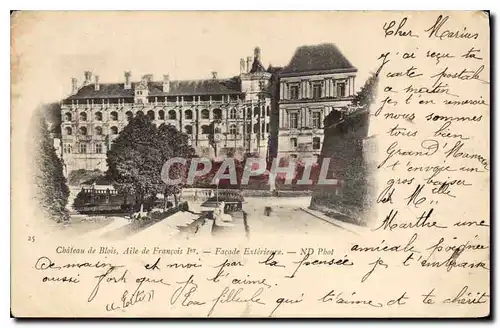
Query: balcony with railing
151, 105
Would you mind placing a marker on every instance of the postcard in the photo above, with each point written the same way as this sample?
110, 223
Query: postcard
260, 164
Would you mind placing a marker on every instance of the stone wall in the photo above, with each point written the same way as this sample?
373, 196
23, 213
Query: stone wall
343, 143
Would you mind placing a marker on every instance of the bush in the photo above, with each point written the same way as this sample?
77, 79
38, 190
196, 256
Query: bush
183, 206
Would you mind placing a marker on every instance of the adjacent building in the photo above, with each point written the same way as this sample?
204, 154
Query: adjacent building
317, 80
269, 112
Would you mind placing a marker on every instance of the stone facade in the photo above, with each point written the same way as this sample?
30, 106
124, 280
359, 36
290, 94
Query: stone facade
236, 109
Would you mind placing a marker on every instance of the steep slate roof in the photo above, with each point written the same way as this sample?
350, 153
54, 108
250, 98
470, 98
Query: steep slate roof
106, 90
177, 88
274, 69
324, 57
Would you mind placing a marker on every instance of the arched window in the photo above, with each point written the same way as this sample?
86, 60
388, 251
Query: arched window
263, 128
205, 129
267, 127
217, 114
316, 143
249, 128
139, 112
256, 128
172, 115
189, 129
233, 130
83, 131
205, 114
83, 116
113, 116
68, 131
249, 112
67, 117
130, 115
98, 116
98, 130
232, 113
151, 114
188, 114
256, 111
161, 115
267, 111
113, 130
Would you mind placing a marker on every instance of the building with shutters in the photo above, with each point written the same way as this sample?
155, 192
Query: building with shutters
235, 111
317, 80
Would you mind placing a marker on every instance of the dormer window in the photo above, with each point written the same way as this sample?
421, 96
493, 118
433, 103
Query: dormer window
142, 93
341, 89
294, 92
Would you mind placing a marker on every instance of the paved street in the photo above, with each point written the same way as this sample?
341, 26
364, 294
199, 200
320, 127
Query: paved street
286, 217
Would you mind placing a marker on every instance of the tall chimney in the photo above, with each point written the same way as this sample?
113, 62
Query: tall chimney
88, 77
249, 64
128, 83
214, 75
256, 53
97, 86
242, 66
74, 86
166, 83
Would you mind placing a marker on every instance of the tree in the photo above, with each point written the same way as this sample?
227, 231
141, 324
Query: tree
135, 160
138, 154
361, 100
51, 190
367, 93
173, 143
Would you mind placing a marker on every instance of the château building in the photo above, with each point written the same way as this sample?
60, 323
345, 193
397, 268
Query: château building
269, 112
317, 80
234, 113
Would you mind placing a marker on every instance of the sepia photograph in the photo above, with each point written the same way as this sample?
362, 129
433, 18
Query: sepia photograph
263, 147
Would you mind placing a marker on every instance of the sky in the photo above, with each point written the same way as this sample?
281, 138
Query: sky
53, 47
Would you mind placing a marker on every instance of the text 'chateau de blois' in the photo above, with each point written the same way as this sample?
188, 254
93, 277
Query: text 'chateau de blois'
278, 111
